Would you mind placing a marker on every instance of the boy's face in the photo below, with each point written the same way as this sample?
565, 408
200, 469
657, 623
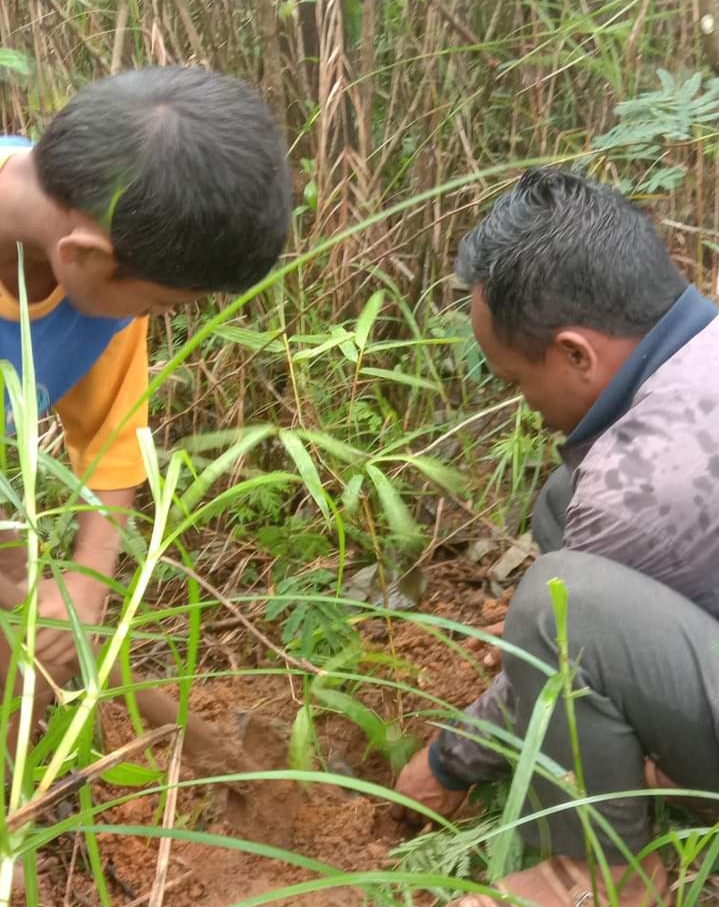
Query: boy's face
84, 265
125, 298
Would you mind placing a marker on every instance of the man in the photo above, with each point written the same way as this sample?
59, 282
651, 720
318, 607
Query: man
148, 190
577, 302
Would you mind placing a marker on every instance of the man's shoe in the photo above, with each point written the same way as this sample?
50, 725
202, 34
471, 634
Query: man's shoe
563, 882
707, 810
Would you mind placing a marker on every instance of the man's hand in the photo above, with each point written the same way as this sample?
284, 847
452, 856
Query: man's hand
493, 658
417, 781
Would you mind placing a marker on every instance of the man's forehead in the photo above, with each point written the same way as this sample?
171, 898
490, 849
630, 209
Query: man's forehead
481, 316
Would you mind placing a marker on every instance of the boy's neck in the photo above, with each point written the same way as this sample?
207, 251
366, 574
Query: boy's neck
28, 216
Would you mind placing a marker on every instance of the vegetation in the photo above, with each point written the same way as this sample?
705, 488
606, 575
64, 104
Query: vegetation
332, 418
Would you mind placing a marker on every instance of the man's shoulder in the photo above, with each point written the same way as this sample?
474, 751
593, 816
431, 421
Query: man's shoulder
666, 443
645, 491
669, 437
647, 487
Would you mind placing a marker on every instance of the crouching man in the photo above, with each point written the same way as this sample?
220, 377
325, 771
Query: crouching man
576, 301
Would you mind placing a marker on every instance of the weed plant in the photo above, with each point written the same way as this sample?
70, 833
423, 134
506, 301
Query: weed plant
309, 428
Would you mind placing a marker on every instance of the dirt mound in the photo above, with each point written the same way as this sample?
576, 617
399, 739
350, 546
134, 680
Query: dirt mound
252, 715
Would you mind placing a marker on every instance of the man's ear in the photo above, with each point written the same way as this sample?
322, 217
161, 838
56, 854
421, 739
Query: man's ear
578, 352
88, 249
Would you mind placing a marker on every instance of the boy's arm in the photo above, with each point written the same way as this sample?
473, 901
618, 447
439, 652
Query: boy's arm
98, 540
91, 414
97, 547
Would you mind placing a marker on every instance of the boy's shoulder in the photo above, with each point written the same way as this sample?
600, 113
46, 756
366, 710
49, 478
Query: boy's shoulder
14, 141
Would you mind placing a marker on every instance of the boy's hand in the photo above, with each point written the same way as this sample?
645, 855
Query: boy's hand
57, 646
96, 547
417, 781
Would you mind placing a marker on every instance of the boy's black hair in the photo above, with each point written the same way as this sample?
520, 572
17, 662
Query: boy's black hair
185, 169
561, 250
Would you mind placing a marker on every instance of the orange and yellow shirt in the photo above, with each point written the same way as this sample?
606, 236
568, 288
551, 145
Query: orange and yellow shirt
91, 371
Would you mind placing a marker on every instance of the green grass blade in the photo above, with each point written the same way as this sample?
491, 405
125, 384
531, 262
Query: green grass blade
401, 522
251, 437
367, 318
306, 468
536, 730
401, 378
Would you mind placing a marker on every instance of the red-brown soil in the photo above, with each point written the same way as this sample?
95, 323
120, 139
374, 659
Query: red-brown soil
348, 831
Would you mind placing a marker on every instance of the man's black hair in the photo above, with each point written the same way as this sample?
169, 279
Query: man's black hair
185, 169
560, 250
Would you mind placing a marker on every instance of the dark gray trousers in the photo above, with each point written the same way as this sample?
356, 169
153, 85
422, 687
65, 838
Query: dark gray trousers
648, 658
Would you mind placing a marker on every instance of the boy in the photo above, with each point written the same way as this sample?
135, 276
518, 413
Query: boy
148, 190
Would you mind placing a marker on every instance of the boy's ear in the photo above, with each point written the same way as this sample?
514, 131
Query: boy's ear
89, 249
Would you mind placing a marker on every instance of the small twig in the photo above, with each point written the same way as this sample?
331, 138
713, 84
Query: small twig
241, 619
464, 31
71, 870
477, 417
78, 779
118, 881
159, 886
171, 886
688, 228
119, 41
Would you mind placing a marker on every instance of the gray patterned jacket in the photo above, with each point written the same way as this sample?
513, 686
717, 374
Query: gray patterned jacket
645, 463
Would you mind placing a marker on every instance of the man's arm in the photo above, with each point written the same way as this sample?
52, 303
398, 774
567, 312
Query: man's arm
440, 774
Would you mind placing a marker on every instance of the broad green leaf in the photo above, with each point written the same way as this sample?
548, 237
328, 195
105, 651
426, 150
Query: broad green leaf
338, 336
252, 340
332, 445
7, 492
399, 747
86, 658
367, 318
152, 466
538, 723
400, 378
128, 775
706, 867
306, 468
301, 749
352, 492
371, 724
383, 346
434, 469
342, 661
15, 60
401, 522
349, 350
251, 437
211, 440
310, 195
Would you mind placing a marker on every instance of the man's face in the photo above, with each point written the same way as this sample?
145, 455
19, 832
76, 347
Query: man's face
562, 386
